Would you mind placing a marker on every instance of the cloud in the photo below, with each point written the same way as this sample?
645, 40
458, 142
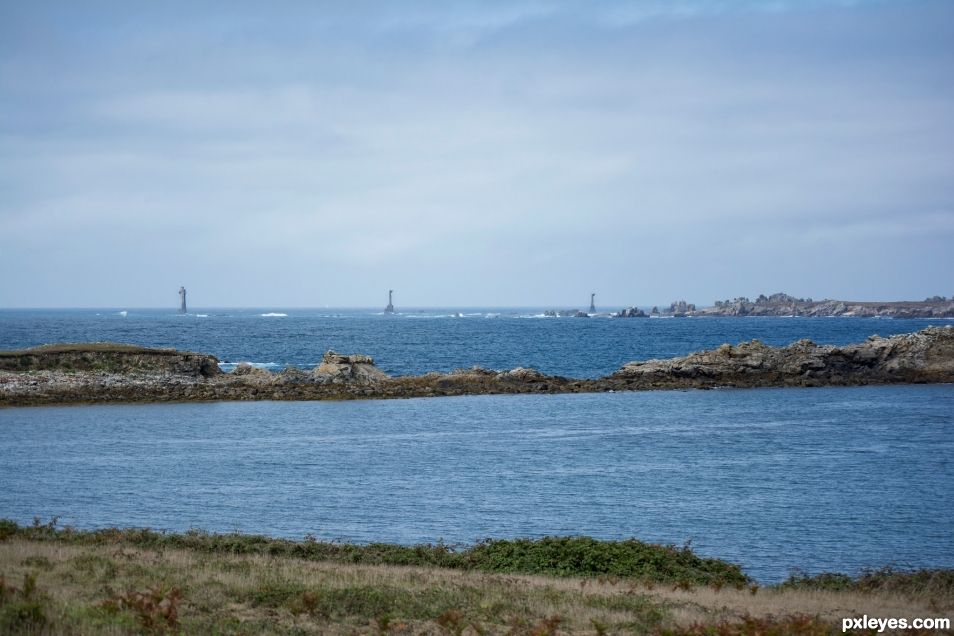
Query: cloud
567, 142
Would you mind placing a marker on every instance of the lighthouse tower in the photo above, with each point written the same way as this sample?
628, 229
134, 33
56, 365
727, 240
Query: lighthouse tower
390, 308
592, 303
182, 300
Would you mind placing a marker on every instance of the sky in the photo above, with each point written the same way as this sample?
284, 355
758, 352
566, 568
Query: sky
523, 153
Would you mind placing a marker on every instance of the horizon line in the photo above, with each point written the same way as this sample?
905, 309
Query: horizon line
406, 307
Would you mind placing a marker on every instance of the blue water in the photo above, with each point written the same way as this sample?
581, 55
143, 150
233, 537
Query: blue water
821, 479
425, 340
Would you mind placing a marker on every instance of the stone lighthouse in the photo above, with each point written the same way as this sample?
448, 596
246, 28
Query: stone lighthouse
182, 301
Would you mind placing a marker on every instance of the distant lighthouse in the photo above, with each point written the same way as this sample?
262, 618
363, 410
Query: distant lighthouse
592, 303
182, 302
390, 308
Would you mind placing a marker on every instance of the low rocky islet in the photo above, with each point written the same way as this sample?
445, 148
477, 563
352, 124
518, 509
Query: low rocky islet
105, 372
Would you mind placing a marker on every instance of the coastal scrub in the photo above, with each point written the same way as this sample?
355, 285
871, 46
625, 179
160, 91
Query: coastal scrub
65, 581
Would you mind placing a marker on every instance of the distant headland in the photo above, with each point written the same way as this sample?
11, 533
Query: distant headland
781, 305
106, 372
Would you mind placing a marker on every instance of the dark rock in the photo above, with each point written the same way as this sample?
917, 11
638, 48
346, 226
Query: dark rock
293, 375
109, 357
631, 312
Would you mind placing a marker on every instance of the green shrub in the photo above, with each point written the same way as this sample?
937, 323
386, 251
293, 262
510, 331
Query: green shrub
21, 617
7, 529
584, 556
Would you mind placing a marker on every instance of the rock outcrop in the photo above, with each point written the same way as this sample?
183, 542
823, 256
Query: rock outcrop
110, 357
520, 374
246, 369
337, 368
681, 308
781, 304
630, 312
70, 374
925, 356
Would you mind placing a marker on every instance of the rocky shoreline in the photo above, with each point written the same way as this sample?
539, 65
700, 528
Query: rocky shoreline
781, 304
104, 372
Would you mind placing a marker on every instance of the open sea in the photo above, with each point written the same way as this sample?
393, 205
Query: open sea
773, 479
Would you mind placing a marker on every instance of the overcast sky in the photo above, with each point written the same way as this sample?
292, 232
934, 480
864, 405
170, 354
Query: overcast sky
474, 153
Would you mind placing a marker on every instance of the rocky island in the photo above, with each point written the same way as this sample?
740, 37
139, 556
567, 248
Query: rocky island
105, 372
782, 304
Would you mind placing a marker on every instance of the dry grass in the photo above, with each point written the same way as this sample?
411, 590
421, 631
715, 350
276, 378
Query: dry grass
261, 594
120, 589
705, 603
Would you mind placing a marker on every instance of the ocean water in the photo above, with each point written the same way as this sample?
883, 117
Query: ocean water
773, 479
423, 340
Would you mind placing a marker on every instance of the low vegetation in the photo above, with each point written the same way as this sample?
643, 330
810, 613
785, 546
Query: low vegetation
917, 583
63, 581
553, 556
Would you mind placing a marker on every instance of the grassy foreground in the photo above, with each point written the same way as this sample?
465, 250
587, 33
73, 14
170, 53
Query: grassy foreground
63, 581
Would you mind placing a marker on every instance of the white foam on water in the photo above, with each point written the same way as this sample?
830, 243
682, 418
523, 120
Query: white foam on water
274, 315
202, 315
123, 313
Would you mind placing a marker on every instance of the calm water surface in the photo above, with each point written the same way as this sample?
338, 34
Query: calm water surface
822, 479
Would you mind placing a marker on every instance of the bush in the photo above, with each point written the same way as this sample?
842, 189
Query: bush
584, 556
21, 617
